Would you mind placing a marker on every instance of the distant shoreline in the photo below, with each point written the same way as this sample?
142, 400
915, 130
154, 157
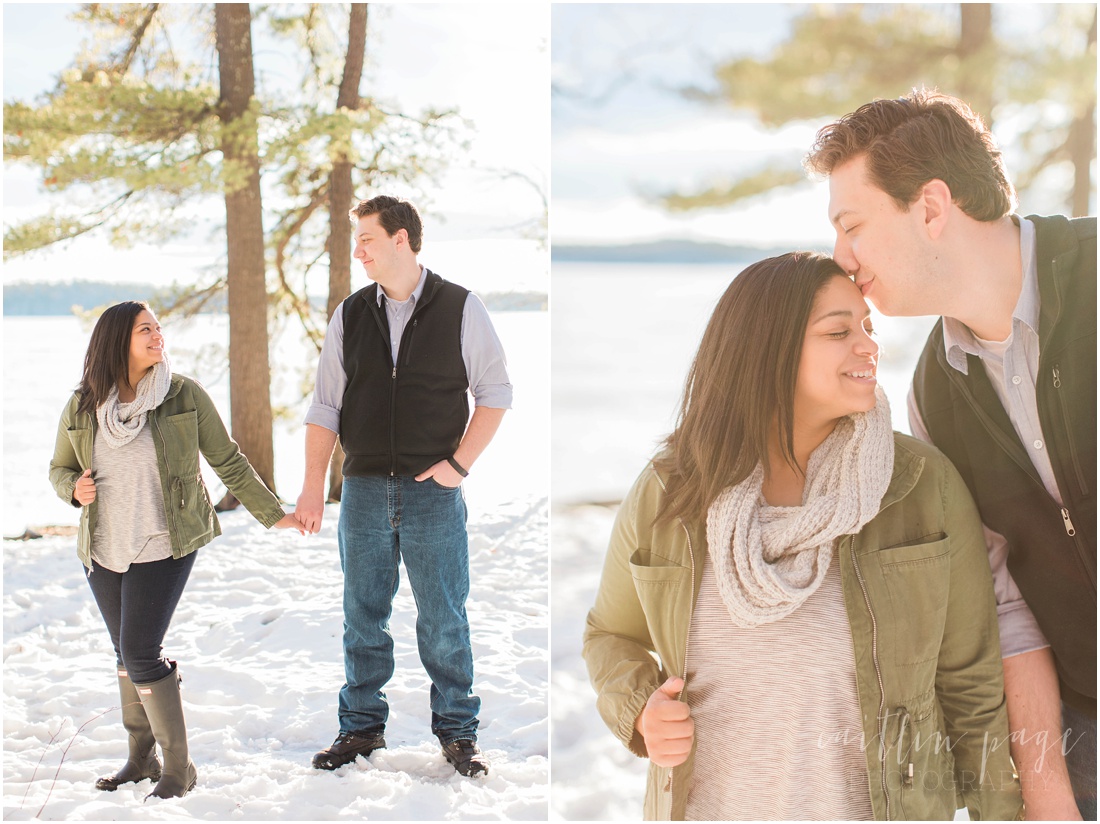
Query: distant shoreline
671, 251
23, 299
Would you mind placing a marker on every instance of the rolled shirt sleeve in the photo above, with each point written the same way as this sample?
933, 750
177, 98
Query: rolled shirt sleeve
483, 356
328, 391
1019, 630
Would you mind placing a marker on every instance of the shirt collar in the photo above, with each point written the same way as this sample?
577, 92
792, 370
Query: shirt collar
959, 341
416, 293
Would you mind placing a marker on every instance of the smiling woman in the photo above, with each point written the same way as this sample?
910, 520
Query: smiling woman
127, 454
836, 374
751, 634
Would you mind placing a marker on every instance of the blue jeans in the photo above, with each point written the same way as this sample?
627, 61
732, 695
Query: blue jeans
383, 520
1080, 744
137, 606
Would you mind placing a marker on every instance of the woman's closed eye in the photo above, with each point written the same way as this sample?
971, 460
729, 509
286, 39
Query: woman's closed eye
840, 334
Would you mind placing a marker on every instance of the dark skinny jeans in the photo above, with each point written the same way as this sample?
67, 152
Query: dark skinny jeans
137, 606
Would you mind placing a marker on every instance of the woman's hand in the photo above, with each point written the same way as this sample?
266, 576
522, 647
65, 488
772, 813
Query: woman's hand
288, 521
84, 491
665, 724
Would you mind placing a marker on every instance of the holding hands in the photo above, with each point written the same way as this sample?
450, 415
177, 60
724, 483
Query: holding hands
311, 510
84, 494
665, 724
289, 521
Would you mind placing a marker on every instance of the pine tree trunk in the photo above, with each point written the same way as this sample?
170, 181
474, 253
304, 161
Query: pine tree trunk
249, 369
1082, 145
977, 54
341, 199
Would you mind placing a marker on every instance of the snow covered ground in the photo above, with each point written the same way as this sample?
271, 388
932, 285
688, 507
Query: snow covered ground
258, 630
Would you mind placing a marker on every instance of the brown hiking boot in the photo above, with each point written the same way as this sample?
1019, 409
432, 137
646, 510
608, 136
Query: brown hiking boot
346, 747
465, 757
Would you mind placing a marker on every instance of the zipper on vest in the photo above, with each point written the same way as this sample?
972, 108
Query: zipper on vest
407, 345
393, 421
1068, 523
878, 672
1060, 400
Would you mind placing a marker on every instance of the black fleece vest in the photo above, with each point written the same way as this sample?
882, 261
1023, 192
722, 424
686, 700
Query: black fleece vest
1055, 570
399, 419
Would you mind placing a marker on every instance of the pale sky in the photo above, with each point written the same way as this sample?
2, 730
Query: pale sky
616, 127
622, 131
418, 56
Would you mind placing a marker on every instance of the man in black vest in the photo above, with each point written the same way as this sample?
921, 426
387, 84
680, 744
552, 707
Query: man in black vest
1005, 387
398, 359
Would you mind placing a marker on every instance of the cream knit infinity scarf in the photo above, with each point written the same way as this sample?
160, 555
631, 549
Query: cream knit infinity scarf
768, 560
121, 423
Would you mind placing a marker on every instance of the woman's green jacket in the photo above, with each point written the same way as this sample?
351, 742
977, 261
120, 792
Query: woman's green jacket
919, 598
185, 424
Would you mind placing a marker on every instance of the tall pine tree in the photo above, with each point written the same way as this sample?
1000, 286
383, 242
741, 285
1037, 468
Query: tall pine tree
838, 57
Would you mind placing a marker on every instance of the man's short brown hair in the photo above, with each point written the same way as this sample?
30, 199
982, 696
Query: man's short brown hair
917, 138
393, 213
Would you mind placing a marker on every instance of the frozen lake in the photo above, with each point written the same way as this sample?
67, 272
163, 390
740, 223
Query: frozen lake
44, 356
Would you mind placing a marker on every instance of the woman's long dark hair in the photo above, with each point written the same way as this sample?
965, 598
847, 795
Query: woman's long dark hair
108, 358
743, 376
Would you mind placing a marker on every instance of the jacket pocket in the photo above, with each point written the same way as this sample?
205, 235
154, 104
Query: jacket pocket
922, 549
647, 567
81, 439
192, 510
918, 579
181, 443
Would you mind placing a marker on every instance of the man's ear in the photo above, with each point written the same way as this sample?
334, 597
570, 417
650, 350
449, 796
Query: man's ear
935, 198
401, 236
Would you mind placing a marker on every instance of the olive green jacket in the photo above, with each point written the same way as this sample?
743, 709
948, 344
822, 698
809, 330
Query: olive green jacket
185, 424
919, 597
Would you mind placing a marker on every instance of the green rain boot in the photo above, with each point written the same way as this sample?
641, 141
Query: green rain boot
164, 706
143, 762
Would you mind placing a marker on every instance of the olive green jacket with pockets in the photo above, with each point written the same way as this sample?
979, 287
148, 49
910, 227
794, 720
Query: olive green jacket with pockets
185, 424
919, 597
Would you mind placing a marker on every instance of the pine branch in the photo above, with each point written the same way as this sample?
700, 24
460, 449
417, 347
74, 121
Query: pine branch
123, 65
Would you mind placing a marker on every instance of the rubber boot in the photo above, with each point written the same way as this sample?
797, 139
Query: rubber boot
143, 762
164, 706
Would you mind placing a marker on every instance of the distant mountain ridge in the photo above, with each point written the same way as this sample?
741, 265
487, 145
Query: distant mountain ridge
63, 298
671, 251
